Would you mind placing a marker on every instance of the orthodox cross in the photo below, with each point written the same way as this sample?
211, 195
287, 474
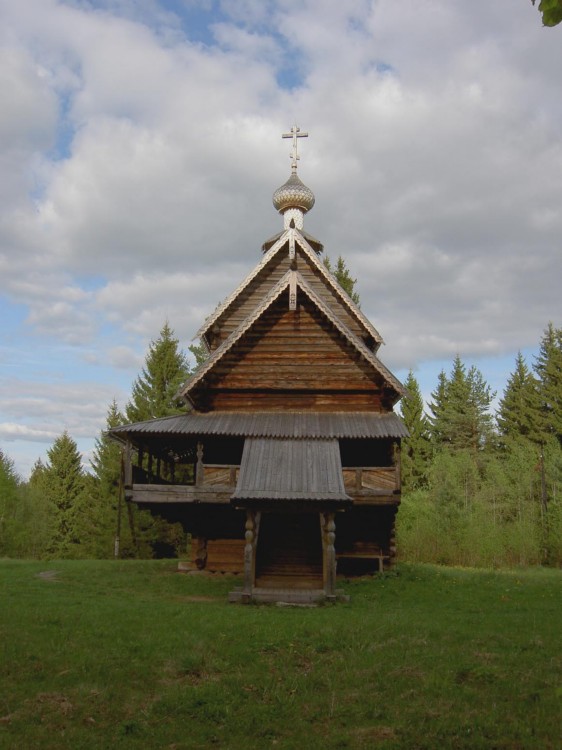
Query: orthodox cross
294, 134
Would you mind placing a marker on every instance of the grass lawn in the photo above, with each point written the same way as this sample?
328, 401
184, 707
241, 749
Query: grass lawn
132, 654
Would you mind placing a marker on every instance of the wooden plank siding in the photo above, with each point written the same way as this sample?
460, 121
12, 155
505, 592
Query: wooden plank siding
384, 478
247, 400
298, 354
250, 297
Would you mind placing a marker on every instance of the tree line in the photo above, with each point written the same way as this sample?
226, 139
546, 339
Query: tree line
477, 488
63, 511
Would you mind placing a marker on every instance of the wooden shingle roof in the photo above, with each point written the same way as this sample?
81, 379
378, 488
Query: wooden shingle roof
292, 237
283, 284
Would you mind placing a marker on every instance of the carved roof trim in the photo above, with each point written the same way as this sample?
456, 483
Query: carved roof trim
341, 293
316, 262
273, 294
243, 284
362, 348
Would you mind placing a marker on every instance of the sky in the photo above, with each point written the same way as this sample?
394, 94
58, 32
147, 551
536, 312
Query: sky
140, 144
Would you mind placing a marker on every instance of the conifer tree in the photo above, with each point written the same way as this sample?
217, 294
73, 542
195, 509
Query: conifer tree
343, 276
199, 352
106, 460
64, 483
102, 512
519, 412
461, 409
153, 396
549, 370
416, 448
165, 369
438, 406
9, 483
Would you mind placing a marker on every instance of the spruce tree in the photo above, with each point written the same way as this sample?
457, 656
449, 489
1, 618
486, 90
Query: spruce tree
199, 352
438, 423
9, 485
519, 411
549, 371
64, 485
416, 449
102, 512
461, 409
343, 276
165, 369
153, 396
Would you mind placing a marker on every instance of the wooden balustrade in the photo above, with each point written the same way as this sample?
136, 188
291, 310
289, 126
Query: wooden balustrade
371, 478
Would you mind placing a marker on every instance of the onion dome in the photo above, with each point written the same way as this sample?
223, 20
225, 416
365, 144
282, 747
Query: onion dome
293, 194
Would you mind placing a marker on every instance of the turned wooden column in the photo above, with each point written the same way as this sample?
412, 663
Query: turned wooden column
329, 548
200, 551
249, 554
199, 468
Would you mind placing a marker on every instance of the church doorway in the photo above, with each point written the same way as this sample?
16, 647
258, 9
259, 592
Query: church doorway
289, 551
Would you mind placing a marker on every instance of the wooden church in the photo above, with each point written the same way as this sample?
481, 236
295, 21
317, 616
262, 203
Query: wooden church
285, 466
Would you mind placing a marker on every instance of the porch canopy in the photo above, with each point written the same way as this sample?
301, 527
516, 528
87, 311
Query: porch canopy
285, 424
283, 471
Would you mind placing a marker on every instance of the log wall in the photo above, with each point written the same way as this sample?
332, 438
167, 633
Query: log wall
293, 359
258, 288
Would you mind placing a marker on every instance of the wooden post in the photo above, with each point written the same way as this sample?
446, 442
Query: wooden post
132, 526
121, 491
328, 543
249, 557
200, 557
398, 465
128, 465
392, 542
199, 468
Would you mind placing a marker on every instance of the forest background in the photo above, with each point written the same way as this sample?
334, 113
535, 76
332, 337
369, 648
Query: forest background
478, 488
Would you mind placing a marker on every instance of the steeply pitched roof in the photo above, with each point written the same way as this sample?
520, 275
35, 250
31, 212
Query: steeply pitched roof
273, 469
273, 294
293, 236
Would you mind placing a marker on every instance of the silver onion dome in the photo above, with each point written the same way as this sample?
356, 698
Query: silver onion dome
293, 194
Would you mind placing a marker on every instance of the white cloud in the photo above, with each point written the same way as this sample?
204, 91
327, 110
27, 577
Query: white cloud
137, 166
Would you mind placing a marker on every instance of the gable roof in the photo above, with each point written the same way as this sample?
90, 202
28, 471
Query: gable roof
268, 300
294, 236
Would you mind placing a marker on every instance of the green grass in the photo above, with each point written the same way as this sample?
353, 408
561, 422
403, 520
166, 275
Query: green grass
134, 655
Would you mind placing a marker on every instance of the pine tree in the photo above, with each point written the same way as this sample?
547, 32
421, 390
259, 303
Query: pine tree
165, 369
343, 276
416, 449
519, 411
549, 370
64, 484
